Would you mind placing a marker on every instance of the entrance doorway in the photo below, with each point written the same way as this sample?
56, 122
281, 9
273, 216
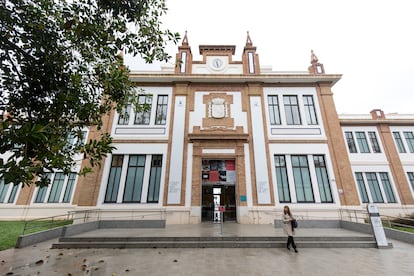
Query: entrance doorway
218, 190
215, 196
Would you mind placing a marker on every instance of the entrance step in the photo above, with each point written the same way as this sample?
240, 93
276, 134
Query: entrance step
214, 242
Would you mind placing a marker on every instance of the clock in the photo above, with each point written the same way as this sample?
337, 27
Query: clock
217, 63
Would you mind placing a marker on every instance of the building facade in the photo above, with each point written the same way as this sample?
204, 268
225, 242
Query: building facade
228, 139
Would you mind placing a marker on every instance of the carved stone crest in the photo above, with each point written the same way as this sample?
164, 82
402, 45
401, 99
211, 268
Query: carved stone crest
218, 108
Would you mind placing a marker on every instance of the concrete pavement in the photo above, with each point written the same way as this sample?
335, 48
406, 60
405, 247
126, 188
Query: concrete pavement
41, 260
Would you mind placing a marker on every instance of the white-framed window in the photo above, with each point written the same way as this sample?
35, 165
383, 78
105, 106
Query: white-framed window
411, 179
375, 187
290, 107
302, 178
404, 141
362, 141
134, 178
8, 192
60, 189
152, 111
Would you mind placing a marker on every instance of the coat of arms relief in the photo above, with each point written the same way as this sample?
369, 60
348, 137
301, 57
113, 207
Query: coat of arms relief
218, 113
217, 108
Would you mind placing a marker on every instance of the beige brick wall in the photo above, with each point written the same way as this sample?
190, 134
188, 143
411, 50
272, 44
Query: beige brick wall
337, 147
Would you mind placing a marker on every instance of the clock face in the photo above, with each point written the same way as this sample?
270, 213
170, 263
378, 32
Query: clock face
217, 63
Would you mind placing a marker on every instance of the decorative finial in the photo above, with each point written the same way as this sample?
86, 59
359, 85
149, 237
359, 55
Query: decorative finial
185, 39
248, 40
314, 59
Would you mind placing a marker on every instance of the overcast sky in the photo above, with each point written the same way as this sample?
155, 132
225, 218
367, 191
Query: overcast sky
369, 42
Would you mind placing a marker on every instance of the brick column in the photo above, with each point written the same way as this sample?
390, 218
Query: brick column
337, 147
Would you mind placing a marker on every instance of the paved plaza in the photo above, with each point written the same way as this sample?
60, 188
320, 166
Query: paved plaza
39, 259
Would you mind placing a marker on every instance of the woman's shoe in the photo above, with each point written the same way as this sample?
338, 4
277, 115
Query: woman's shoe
296, 250
288, 247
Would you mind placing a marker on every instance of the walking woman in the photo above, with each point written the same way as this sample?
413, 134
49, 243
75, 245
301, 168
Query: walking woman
287, 227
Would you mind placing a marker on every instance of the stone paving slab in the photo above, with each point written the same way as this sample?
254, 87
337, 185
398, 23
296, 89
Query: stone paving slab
40, 259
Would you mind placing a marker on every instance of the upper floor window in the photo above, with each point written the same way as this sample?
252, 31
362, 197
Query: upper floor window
146, 113
409, 138
310, 110
292, 110
362, 142
274, 112
124, 115
142, 117
161, 114
374, 142
350, 141
399, 142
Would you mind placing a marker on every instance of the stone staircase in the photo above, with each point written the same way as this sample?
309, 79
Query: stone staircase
156, 234
215, 242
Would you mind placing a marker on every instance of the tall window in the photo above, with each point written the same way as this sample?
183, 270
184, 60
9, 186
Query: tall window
56, 189
155, 179
374, 142
386, 185
8, 192
292, 110
323, 180
374, 187
114, 179
350, 141
274, 112
301, 176
399, 142
69, 188
310, 110
124, 116
143, 116
41, 192
282, 179
59, 191
134, 179
411, 178
361, 187
161, 114
362, 141
378, 185
409, 138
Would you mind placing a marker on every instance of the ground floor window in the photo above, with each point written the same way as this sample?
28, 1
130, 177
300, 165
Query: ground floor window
59, 191
134, 179
8, 192
411, 178
298, 177
375, 187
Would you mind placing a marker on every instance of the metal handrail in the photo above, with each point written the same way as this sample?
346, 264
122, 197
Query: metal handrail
82, 216
389, 221
48, 221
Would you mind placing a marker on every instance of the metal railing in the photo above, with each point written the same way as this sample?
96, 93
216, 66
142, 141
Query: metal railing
35, 225
89, 215
354, 215
391, 221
